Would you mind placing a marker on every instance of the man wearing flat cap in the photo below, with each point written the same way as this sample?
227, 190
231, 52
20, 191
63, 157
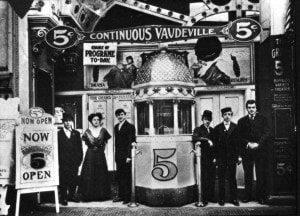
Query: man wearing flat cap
227, 155
70, 156
203, 135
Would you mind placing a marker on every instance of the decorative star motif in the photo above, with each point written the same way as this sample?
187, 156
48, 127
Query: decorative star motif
156, 90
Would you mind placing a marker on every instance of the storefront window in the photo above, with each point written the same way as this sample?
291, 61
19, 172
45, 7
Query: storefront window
143, 118
163, 117
184, 117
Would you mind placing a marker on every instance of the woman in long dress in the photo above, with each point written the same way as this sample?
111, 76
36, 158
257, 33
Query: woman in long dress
95, 183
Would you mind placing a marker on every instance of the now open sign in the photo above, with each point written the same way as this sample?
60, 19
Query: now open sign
36, 150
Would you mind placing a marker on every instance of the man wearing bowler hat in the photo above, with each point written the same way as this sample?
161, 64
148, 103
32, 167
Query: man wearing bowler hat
227, 155
70, 156
203, 135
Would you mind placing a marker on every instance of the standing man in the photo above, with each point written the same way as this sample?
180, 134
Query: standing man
227, 155
204, 135
254, 133
124, 137
70, 157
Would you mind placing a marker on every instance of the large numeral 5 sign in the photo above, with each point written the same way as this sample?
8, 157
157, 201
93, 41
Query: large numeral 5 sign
62, 37
164, 169
244, 29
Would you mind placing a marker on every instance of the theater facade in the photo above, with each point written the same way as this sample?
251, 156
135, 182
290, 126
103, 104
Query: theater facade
155, 60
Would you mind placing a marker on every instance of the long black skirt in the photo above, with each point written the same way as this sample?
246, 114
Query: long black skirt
94, 180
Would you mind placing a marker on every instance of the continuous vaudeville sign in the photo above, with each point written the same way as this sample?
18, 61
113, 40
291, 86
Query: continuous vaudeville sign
63, 37
36, 150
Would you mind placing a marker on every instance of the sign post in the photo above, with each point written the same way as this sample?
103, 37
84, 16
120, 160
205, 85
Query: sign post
36, 155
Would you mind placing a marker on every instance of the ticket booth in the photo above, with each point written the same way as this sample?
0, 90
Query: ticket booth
164, 110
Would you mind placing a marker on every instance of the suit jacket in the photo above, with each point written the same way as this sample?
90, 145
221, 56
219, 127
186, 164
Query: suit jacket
256, 130
69, 150
226, 143
123, 140
201, 134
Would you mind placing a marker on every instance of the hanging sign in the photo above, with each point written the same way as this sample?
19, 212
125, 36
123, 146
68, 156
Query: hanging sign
36, 150
63, 37
99, 53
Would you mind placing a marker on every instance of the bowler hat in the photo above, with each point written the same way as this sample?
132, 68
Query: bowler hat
207, 114
67, 117
91, 116
226, 109
208, 48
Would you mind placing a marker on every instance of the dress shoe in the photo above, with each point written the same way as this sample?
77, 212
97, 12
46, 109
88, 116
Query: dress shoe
74, 199
204, 203
235, 202
262, 201
246, 200
64, 202
117, 199
221, 202
126, 202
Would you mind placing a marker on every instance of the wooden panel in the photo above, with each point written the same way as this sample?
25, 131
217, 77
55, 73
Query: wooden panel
208, 102
234, 100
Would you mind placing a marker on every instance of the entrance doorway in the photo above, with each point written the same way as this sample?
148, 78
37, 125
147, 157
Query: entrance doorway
107, 105
215, 101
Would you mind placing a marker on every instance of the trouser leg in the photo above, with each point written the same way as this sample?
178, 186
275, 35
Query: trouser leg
221, 172
260, 178
248, 176
232, 181
72, 183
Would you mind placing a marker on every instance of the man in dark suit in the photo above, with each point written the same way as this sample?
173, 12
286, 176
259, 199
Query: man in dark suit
70, 157
227, 155
254, 134
204, 135
124, 137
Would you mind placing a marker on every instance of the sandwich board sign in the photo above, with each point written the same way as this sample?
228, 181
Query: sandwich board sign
36, 150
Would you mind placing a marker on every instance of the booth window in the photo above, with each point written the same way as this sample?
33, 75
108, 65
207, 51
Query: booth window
185, 117
163, 117
143, 118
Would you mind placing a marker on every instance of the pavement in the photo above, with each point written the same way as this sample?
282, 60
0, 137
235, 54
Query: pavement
108, 208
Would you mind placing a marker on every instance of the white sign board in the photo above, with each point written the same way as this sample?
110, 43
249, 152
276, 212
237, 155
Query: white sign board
36, 150
6, 150
99, 53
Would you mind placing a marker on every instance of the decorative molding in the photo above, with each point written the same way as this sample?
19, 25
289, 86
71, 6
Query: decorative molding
15, 54
37, 36
164, 91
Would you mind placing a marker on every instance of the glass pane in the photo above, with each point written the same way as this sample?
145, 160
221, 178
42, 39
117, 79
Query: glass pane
143, 118
163, 117
185, 117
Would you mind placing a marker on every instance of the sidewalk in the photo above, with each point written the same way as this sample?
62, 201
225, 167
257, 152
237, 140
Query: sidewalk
117, 209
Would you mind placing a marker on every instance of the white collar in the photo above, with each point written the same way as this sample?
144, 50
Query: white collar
253, 115
226, 123
67, 130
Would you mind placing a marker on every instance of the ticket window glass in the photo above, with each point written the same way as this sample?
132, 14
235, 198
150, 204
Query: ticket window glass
143, 118
185, 117
164, 117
